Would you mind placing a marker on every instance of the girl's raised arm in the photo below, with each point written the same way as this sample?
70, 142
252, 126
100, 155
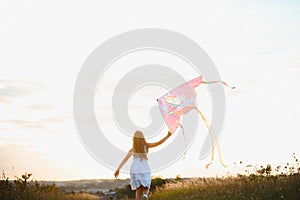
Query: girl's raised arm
123, 162
155, 144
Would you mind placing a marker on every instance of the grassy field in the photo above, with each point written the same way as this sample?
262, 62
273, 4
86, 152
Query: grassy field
22, 189
241, 187
254, 186
281, 182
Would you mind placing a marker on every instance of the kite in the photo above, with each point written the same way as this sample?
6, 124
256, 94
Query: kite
179, 102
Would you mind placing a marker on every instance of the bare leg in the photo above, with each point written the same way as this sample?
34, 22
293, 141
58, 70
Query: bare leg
145, 190
138, 193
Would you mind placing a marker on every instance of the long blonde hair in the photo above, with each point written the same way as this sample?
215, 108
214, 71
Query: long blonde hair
139, 145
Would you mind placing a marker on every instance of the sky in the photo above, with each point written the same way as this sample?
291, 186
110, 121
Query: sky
254, 45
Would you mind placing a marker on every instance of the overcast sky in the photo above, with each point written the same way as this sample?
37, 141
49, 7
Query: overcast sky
255, 46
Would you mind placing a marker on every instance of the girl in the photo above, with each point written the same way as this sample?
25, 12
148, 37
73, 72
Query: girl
140, 175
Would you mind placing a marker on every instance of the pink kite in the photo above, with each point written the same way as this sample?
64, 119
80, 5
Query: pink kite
180, 101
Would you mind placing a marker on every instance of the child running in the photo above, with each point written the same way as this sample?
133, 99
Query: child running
140, 174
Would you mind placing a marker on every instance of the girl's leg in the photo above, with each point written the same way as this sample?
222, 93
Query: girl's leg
138, 193
145, 190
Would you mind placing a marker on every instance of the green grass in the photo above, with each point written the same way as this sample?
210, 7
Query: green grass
282, 182
22, 189
254, 186
241, 187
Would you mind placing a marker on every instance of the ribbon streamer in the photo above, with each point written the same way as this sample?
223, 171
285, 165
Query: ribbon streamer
181, 100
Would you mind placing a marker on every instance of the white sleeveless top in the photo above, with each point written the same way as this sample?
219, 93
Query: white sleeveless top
135, 156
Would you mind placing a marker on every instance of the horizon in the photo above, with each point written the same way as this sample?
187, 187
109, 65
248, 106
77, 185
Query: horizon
254, 45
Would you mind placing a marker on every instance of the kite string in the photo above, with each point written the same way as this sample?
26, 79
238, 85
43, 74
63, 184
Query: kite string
214, 140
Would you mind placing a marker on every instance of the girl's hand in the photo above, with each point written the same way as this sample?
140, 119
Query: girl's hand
117, 173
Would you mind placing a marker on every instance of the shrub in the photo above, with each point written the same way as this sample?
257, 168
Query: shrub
21, 189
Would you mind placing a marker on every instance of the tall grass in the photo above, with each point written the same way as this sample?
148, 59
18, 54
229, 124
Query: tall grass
241, 187
264, 182
22, 189
282, 182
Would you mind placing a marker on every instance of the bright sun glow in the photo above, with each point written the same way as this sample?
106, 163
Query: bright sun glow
255, 47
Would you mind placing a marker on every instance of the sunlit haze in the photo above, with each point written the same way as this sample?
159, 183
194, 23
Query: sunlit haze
254, 45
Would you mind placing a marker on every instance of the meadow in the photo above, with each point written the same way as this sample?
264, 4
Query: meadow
254, 182
241, 187
23, 189
263, 182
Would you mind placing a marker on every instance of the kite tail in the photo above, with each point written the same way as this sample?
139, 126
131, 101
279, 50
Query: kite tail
214, 141
224, 83
184, 140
